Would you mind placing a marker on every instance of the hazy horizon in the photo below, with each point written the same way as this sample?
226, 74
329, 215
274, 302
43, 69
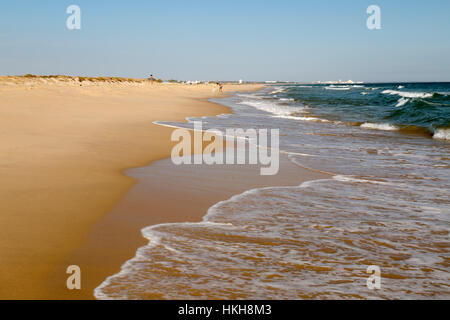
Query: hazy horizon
253, 40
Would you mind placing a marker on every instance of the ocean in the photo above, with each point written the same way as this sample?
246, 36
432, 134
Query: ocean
387, 148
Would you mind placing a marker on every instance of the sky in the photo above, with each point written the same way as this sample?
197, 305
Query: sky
285, 40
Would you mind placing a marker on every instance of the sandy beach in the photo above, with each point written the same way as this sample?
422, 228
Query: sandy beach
87, 180
64, 147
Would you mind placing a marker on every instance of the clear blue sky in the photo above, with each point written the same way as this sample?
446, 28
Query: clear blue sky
208, 39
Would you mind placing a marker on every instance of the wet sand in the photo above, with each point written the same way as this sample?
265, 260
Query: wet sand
167, 193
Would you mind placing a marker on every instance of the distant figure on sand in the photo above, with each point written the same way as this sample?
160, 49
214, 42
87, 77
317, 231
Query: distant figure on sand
152, 79
220, 86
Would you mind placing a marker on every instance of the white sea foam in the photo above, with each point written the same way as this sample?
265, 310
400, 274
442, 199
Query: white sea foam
408, 94
224, 115
379, 126
442, 134
272, 107
344, 178
337, 88
401, 102
302, 118
161, 123
278, 90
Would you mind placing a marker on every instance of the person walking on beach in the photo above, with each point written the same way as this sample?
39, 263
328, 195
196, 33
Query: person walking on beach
152, 79
220, 87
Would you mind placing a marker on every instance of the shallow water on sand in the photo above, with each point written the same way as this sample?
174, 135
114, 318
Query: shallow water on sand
388, 204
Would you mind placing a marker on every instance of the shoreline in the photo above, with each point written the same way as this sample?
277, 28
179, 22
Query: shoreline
169, 257
69, 196
65, 149
149, 202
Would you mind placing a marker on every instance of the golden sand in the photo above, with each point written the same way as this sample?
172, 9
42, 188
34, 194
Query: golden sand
63, 149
